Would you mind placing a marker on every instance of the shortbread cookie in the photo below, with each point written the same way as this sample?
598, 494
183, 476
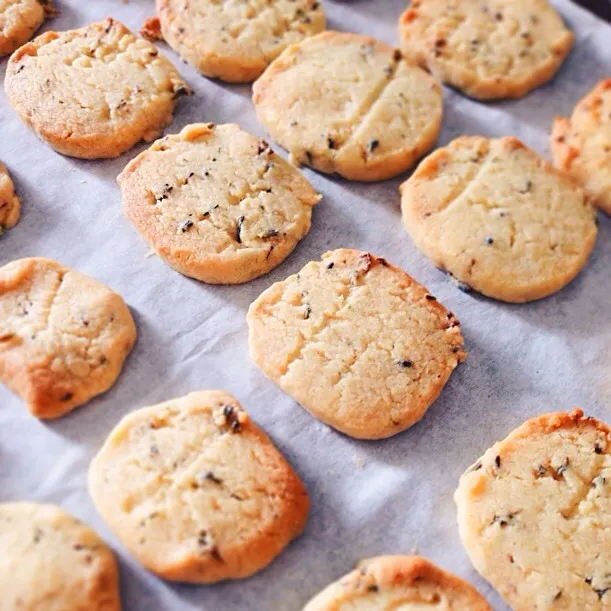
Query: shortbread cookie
489, 50
19, 19
236, 41
50, 561
93, 92
408, 583
581, 146
349, 104
10, 207
196, 491
357, 342
499, 218
534, 514
216, 203
63, 336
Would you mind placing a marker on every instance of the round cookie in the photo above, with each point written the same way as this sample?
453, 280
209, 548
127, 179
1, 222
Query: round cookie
10, 206
349, 104
196, 491
489, 50
94, 92
236, 41
357, 342
19, 19
581, 145
53, 562
499, 218
408, 583
63, 335
216, 203
534, 514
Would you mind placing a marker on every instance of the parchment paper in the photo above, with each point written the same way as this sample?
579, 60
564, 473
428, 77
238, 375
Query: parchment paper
368, 498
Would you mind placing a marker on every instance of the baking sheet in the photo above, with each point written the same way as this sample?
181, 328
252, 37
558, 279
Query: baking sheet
368, 498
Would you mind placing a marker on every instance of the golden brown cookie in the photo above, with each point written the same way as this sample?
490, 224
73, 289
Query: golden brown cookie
499, 218
19, 19
52, 562
196, 491
10, 206
235, 41
349, 104
357, 342
216, 203
489, 50
393, 583
94, 92
581, 145
63, 335
534, 514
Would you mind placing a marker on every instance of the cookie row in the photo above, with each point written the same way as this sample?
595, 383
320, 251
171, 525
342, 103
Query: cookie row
198, 493
218, 205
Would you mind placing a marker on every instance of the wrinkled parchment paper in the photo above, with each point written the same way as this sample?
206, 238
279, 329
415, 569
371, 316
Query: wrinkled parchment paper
368, 498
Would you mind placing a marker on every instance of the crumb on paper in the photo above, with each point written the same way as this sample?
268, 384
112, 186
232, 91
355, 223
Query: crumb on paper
149, 254
359, 461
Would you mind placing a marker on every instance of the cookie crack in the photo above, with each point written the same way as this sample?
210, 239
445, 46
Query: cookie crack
327, 321
376, 95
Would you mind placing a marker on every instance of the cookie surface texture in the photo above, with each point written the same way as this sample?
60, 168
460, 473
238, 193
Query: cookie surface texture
63, 335
236, 41
52, 562
499, 218
534, 514
357, 342
489, 50
10, 206
196, 491
349, 104
19, 19
581, 145
216, 203
94, 92
409, 583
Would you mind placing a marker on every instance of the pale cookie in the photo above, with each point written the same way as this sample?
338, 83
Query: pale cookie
581, 145
349, 104
489, 49
63, 335
389, 583
357, 342
50, 561
534, 514
216, 203
10, 207
19, 19
94, 92
196, 491
236, 41
499, 218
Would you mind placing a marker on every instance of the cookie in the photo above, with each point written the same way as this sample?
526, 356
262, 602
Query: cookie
19, 19
10, 206
216, 203
235, 41
398, 582
499, 218
196, 491
581, 145
489, 50
53, 562
357, 342
94, 92
534, 514
63, 335
349, 104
